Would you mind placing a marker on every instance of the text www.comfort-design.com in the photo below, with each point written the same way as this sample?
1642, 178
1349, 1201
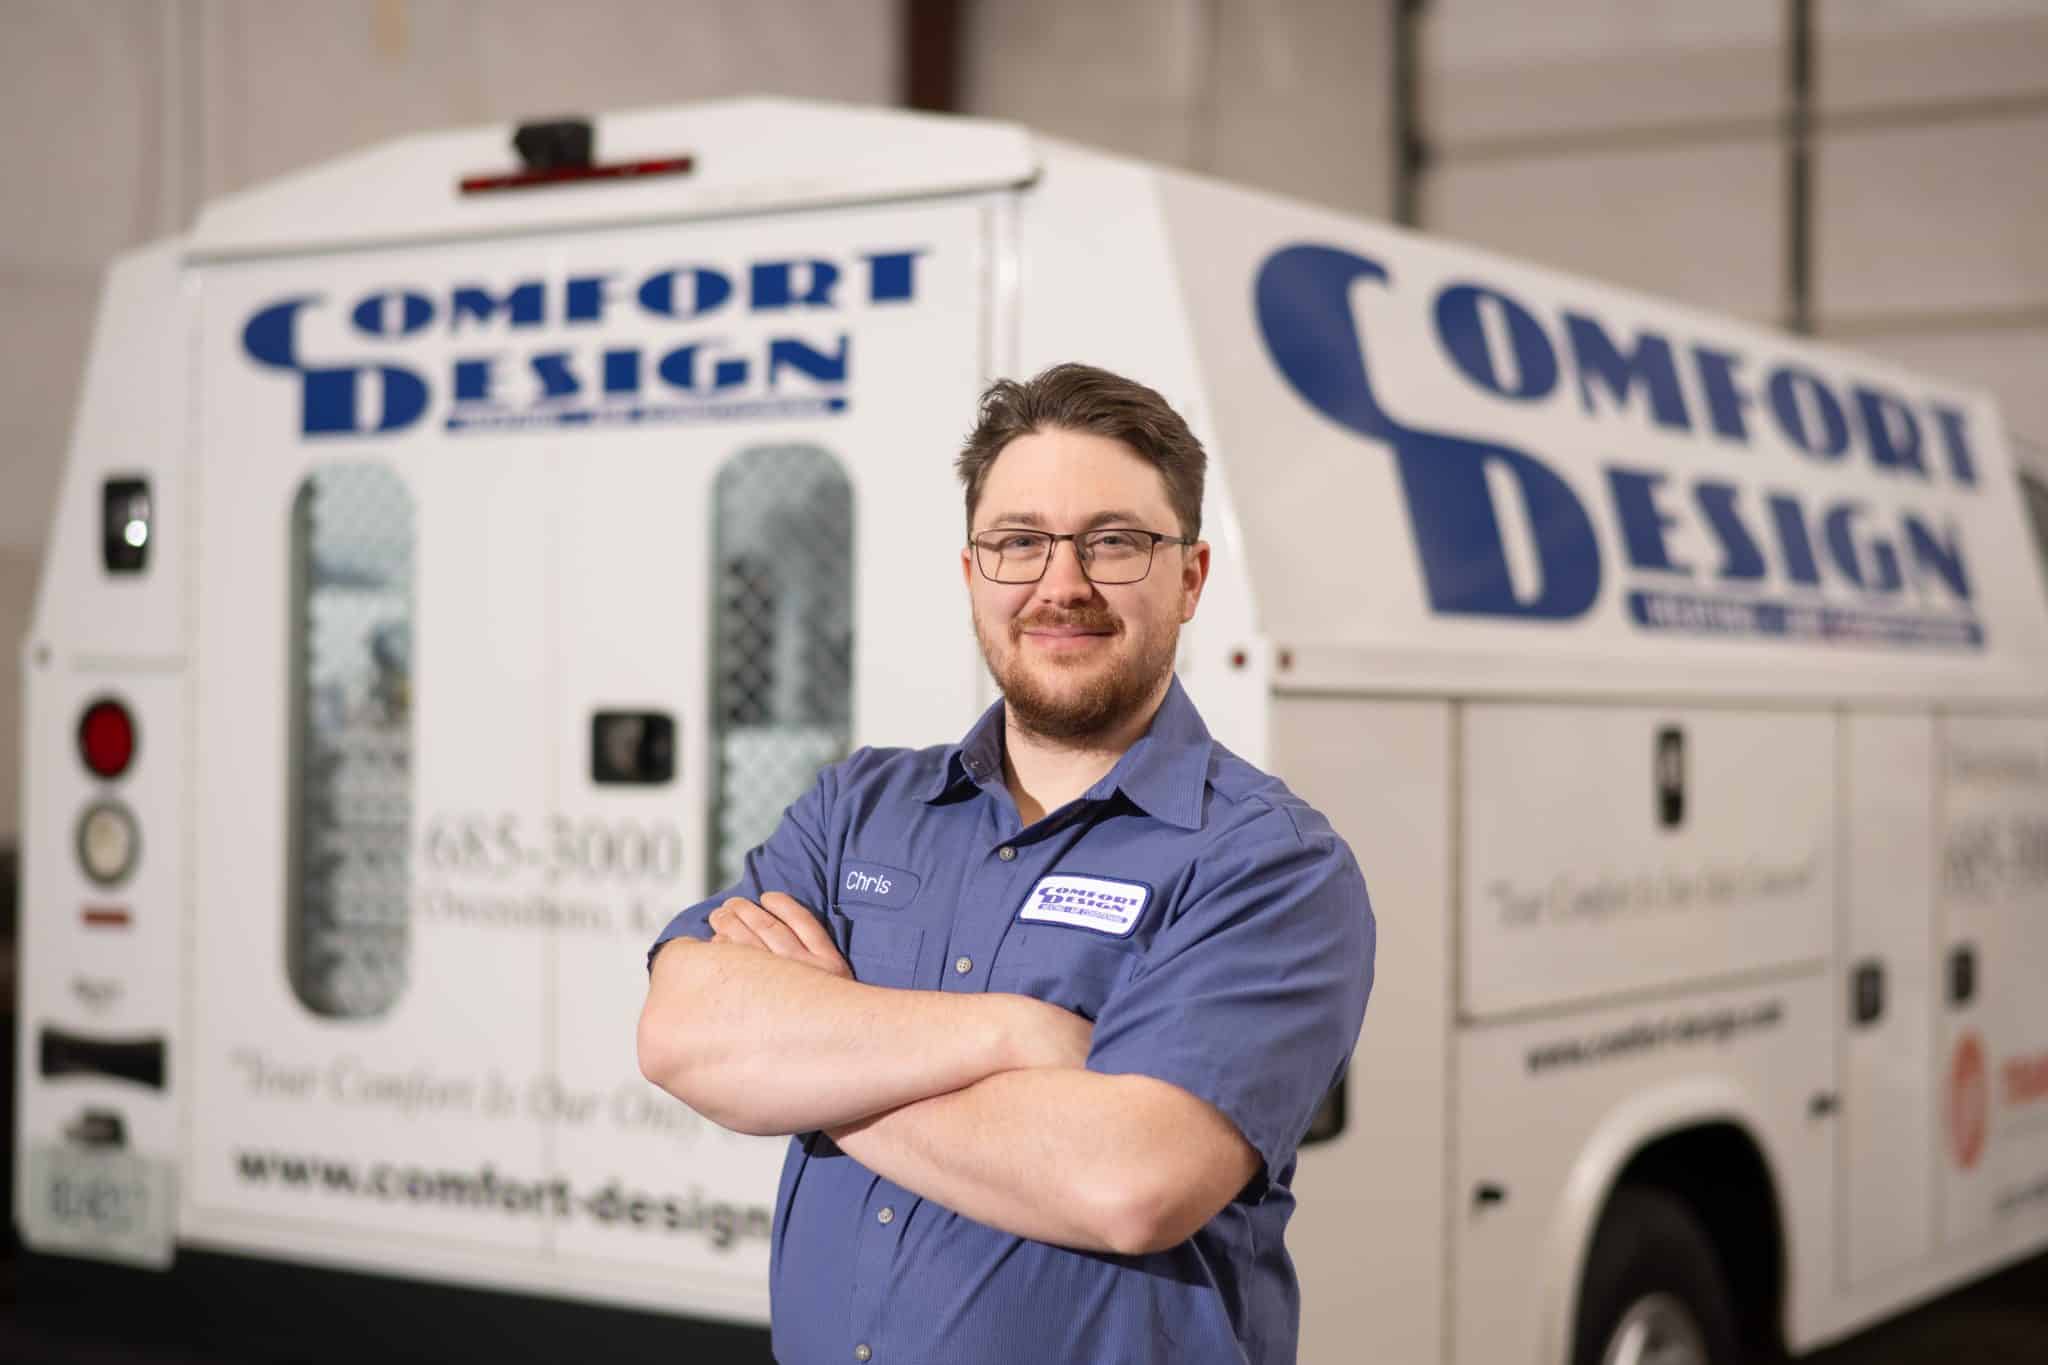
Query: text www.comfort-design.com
482, 1188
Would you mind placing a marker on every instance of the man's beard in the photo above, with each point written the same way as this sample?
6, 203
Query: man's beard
1105, 700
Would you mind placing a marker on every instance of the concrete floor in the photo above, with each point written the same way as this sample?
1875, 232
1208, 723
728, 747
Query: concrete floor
2002, 1321
1999, 1321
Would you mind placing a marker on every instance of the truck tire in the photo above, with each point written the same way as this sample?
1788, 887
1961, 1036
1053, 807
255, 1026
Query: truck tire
1653, 1291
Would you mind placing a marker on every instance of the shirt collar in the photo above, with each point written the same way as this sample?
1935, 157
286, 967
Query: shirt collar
976, 758
1164, 774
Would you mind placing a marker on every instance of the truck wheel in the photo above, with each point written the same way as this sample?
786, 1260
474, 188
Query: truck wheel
1653, 1292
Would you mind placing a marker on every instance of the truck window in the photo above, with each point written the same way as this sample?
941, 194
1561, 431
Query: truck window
782, 638
2036, 495
350, 788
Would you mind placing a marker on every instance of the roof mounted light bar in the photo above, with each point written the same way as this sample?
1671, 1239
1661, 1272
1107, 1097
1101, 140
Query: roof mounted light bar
559, 152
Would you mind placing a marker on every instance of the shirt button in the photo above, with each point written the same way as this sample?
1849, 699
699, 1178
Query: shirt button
963, 965
886, 1216
1006, 853
861, 1352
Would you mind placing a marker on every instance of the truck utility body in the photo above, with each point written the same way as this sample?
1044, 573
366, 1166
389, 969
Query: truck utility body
477, 575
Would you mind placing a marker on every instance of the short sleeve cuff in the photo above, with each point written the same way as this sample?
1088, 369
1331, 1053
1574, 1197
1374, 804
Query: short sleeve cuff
1252, 1118
694, 922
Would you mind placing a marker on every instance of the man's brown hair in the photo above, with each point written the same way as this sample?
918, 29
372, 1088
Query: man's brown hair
1073, 397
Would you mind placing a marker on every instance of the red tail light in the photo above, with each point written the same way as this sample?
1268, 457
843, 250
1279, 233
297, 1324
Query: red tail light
106, 738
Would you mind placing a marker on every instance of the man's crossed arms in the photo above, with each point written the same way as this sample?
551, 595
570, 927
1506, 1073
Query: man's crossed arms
979, 1102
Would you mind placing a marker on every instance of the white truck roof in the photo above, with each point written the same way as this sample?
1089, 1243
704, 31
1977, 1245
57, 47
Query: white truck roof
748, 155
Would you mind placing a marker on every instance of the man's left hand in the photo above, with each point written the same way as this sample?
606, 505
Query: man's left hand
779, 924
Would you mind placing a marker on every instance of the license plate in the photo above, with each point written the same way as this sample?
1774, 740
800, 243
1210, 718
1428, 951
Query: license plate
112, 1205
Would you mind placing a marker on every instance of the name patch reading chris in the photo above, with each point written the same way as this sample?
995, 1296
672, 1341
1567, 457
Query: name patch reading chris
1102, 904
876, 884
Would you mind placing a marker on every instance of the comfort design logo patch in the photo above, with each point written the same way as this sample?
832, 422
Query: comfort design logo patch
1102, 904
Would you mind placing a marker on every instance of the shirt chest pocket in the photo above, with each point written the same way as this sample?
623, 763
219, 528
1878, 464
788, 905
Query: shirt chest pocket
1071, 968
880, 952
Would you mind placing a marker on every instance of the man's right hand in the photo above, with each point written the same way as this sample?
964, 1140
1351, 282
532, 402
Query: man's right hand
782, 925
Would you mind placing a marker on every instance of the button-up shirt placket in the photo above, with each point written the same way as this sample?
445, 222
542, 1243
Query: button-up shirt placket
874, 1255
988, 895
993, 890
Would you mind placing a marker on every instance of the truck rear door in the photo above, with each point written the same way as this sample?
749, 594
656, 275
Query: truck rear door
536, 576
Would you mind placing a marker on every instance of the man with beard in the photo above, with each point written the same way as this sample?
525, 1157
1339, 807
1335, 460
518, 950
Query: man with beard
1049, 1010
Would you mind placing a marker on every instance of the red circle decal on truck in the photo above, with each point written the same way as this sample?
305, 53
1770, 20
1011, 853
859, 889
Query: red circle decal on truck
1969, 1102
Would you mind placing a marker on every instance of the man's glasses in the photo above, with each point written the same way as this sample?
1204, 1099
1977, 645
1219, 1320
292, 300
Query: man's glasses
1108, 554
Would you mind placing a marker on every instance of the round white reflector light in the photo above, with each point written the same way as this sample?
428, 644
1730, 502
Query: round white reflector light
108, 842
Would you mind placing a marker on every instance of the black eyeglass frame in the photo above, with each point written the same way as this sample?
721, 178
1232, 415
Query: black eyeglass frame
1052, 546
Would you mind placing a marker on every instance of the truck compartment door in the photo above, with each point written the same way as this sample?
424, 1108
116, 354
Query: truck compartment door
1886, 995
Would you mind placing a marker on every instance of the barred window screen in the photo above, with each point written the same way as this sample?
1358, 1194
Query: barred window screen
782, 639
350, 831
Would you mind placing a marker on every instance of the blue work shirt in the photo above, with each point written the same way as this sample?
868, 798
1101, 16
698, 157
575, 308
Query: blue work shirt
1214, 928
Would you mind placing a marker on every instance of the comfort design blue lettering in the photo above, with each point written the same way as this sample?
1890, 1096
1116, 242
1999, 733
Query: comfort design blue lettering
1744, 535
802, 368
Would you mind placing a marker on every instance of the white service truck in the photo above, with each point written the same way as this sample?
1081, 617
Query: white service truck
460, 562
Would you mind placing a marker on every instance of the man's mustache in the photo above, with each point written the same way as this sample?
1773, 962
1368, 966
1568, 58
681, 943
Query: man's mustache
1078, 620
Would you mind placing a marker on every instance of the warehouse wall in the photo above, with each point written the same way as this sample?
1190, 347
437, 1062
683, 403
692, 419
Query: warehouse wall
1289, 95
1931, 191
1634, 142
1648, 142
